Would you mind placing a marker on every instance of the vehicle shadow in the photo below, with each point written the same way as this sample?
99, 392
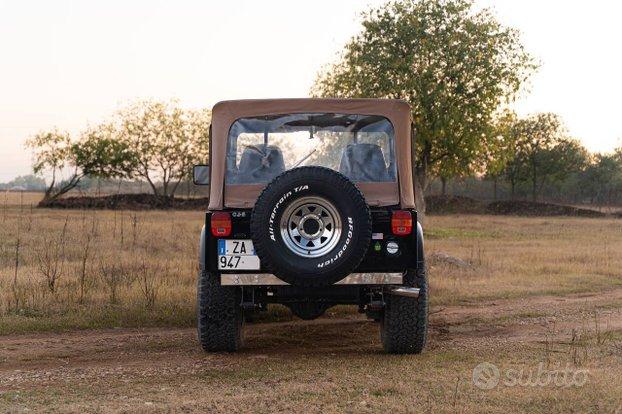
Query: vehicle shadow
327, 336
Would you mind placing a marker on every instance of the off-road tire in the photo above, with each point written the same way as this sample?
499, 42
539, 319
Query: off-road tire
404, 324
220, 319
351, 207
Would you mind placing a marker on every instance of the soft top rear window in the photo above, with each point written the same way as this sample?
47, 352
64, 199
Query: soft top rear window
362, 147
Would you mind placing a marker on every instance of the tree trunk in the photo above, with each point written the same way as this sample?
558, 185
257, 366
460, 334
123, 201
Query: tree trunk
494, 188
51, 195
443, 186
534, 181
419, 181
152, 185
534, 191
419, 200
48, 192
175, 187
71, 184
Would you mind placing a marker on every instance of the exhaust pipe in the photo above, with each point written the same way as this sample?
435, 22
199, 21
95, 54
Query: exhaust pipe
405, 291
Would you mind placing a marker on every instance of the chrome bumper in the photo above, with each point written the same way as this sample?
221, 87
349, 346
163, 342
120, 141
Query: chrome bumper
264, 279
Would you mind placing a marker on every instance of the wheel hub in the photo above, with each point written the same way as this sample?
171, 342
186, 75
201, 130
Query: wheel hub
310, 227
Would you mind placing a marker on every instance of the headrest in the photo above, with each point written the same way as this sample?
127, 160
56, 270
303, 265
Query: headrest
260, 163
364, 162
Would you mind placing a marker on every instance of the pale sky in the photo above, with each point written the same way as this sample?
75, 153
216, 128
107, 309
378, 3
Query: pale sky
70, 63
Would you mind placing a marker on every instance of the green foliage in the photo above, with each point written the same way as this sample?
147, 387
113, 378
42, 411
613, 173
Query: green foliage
501, 148
601, 181
52, 152
499, 151
164, 141
155, 141
101, 154
454, 65
543, 152
566, 157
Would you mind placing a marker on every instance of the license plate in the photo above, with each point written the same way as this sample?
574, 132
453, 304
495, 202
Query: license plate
237, 254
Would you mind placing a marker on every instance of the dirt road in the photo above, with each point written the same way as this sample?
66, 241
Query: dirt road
331, 364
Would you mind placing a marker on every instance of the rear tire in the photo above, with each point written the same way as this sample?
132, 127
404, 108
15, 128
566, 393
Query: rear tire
220, 319
404, 325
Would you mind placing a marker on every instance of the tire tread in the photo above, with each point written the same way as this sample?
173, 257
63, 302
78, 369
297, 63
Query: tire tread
404, 324
219, 316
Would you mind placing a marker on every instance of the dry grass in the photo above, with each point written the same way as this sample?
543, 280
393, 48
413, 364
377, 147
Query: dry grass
83, 269
514, 304
96, 269
518, 257
26, 199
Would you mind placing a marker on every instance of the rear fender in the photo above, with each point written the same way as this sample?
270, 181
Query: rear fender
420, 255
202, 249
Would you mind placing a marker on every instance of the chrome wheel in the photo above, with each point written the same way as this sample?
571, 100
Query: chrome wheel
310, 227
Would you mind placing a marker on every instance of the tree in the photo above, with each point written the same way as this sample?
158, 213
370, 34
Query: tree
197, 132
565, 158
98, 154
602, 178
543, 152
165, 141
155, 141
454, 65
28, 182
101, 154
451, 167
52, 151
500, 150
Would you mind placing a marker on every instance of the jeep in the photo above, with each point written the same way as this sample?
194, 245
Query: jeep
311, 205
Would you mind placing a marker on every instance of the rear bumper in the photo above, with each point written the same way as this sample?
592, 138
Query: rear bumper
376, 260
266, 279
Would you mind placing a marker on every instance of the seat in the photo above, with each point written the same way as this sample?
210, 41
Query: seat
364, 163
260, 164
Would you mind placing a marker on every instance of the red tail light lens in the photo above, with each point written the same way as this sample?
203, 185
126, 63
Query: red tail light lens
401, 223
221, 224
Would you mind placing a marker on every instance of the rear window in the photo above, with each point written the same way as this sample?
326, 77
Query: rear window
361, 147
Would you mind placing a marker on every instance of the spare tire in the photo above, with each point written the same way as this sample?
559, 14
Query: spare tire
311, 226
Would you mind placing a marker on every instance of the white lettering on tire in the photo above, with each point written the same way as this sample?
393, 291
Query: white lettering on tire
343, 249
283, 198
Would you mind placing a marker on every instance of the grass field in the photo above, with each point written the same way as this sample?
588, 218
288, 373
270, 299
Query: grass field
535, 295
89, 269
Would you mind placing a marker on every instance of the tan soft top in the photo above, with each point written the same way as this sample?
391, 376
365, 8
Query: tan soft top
225, 113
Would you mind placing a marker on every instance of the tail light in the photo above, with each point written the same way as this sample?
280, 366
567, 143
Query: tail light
401, 222
221, 224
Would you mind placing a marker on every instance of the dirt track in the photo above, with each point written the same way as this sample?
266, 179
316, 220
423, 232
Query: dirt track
164, 369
